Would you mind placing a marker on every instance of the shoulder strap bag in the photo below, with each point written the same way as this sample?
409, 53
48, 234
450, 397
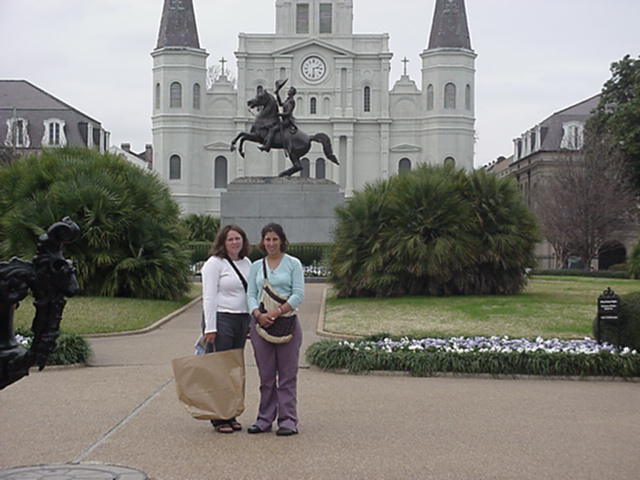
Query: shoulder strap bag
281, 331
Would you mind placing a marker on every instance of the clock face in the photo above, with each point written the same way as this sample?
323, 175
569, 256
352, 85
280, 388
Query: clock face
313, 68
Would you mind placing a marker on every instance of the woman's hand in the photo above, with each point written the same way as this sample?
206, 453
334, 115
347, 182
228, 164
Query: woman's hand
265, 319
210, 337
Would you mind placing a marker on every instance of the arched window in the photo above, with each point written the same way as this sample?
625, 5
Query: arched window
449, 162
404, 165
157, 99
196, 96
321, 168
305, 168
450, 96
174, 167
175, 95
367, 99
430, 97
220, 172
327, 106
259, 89
467, 97
313, 106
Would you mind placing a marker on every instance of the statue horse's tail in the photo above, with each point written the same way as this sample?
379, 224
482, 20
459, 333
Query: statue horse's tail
326, 146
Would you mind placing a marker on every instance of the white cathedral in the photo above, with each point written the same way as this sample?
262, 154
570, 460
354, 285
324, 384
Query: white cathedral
342, 82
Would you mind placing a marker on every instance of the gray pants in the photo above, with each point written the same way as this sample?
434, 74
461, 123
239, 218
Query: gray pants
278, 370
232, 331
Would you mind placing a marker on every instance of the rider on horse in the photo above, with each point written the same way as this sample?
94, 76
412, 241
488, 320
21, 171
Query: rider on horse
288, 120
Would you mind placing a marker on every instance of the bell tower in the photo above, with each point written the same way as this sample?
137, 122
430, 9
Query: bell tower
448, 87
179, 91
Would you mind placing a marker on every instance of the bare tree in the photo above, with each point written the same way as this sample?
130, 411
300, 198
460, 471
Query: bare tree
589, 198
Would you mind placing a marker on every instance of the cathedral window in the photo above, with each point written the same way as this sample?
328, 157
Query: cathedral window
321, 168
175, 95
326, 106
305, 173
220, 172
367, 99
54, 133
302, 18
196, 96
449, 162
467, 97
430, 97
17, 133
313, 106
157, 95
325, 18
259, 89
450, 96
175, 167
404, 165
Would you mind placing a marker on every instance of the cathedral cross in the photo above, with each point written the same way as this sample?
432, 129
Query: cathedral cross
405, 60
223, 61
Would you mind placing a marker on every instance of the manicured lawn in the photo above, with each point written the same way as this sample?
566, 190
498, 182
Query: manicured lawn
105, 315
551, 306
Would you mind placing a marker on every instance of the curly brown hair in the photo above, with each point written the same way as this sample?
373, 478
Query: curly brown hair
218, 249
278, 230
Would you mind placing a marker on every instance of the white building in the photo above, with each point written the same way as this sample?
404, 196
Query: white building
342, 82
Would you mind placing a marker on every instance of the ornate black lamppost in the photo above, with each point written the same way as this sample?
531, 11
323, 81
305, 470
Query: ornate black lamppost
51, 278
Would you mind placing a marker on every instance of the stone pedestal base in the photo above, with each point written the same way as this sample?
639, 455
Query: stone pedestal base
303, 206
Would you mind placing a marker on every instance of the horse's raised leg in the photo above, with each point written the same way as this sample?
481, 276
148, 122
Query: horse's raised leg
297, 166
233, 142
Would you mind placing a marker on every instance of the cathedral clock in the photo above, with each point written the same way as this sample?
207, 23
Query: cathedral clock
313, 68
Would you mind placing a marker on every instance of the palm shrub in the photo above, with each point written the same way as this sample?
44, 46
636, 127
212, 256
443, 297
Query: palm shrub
434, 231
633, 266
201, 227
132, 243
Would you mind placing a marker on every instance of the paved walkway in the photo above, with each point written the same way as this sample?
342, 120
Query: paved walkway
123, 411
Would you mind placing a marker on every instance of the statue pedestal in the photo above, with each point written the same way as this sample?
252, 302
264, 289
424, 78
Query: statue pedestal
303, 206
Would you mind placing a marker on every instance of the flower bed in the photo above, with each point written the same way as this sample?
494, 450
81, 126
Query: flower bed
494, 355
316, 271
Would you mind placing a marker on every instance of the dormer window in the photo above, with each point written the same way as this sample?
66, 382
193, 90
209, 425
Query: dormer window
572, 136
17, 134
54, 135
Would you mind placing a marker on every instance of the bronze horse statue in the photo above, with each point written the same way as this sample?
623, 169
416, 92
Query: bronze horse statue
296, 145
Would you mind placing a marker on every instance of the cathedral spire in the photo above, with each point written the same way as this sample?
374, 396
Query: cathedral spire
178, 25
450, 27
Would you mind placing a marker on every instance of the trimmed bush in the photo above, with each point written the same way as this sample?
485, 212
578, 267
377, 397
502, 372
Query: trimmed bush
131, 243
70, 348
433, 231
629, 334
581, 273
633, 265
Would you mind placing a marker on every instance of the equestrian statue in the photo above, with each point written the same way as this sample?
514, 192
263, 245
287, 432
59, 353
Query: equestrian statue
275, 129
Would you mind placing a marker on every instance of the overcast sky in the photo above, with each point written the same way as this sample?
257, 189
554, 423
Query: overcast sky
534, 57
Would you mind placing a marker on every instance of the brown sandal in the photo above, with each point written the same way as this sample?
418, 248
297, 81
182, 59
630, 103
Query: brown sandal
224, 428
235, 425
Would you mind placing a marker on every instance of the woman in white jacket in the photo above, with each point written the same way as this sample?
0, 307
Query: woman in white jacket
224, 300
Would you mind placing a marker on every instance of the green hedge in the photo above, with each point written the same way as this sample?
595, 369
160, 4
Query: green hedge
308, 253
582, 273
70, 348
329, 354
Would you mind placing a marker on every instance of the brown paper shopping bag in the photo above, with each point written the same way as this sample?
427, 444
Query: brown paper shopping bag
211, 386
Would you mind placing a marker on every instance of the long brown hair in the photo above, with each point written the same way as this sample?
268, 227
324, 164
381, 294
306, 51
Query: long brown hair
218, 249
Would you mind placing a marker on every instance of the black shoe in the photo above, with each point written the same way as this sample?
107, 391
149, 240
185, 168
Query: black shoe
286, 432
257, 429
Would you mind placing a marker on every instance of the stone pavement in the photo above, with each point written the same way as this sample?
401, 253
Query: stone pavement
122, 411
